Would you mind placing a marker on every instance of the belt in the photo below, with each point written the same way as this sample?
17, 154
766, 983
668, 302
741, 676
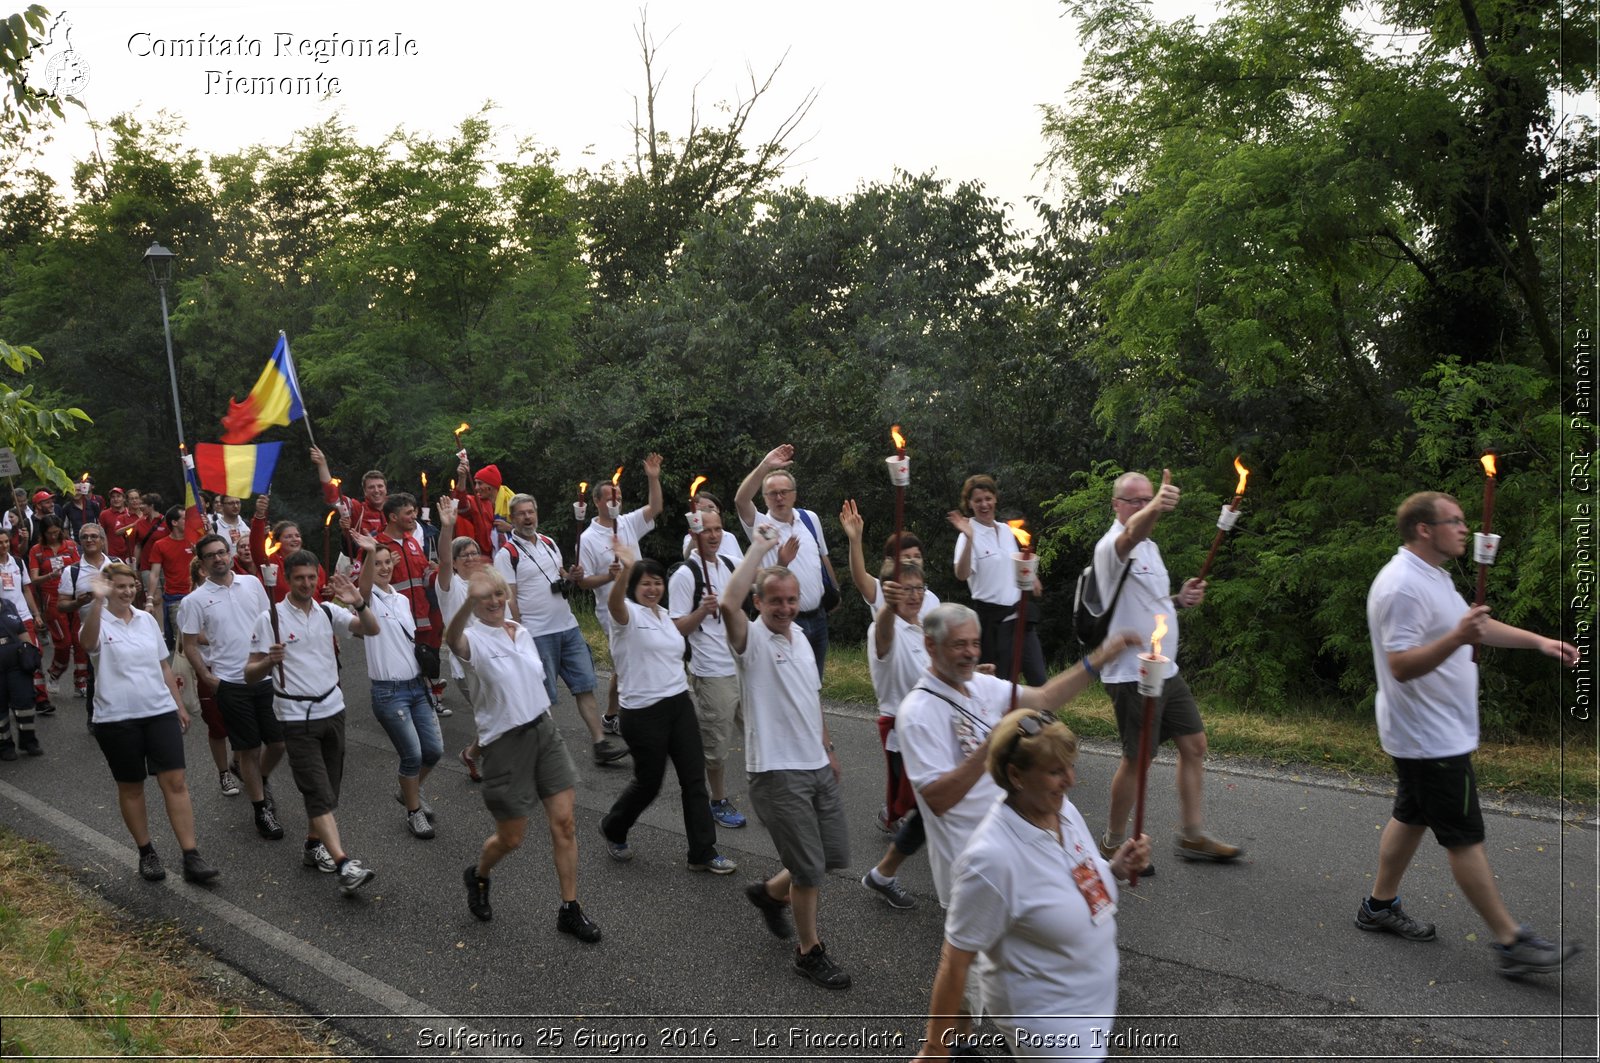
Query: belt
812, 614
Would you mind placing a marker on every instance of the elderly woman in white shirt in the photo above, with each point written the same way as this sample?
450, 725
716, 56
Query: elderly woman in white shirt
1033, 902
658, 720
139, 718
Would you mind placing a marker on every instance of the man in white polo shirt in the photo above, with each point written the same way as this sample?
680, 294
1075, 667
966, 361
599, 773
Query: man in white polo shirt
712, 674
531, 566
1422, 637
595, 554
794, 776
310, 702
224, 610
944, 723
800, 546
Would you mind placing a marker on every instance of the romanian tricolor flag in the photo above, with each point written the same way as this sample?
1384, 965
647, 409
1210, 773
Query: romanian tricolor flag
274, 400
237, 471
194, 516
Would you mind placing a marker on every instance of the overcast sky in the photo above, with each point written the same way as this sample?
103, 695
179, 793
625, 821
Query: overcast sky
939, 85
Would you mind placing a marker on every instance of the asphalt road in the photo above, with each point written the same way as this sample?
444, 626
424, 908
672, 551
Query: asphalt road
1259, 960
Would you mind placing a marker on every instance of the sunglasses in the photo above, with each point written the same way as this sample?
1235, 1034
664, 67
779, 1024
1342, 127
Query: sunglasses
1030, 726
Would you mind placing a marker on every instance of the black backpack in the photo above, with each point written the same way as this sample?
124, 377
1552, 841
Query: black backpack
1091, 620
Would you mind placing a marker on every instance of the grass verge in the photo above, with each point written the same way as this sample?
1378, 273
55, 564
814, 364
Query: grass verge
64, 957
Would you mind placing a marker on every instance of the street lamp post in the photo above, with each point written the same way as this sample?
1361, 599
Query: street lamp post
159, 261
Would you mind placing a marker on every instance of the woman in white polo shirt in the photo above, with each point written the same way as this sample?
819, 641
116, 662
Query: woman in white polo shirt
658, 720
1032, 896
983, 560
139, 719
401, 701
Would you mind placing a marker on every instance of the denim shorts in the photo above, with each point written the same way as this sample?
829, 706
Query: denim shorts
404, 709
566, 652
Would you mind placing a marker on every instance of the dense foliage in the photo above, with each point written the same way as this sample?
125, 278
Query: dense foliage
1275, 235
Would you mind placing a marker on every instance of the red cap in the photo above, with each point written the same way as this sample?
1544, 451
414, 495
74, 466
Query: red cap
118, 491
489, 474
41, 494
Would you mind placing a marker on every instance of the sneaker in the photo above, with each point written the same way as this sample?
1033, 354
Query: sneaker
44, 708
1532, 954
620, 851
80, 692
816, 966
477, 894
611, 725
726, 815
52, 683
471, 763
196, 870
266, 795
897, 895
1108, 851
8, 749
352, 876
884, 823
28, 742
773, 911
1202, 846
318, 857
422, 801
267, 824
229, 783
717, 865
150, 868
1394, 920
442, 709
571, 920
417, 823
608, 751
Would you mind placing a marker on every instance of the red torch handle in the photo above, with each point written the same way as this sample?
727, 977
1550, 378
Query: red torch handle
1144, 772
277, 637
899, 526
1212, 556
1483, 570
1018, 634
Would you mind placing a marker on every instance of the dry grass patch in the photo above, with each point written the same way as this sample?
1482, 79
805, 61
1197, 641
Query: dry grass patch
63, 956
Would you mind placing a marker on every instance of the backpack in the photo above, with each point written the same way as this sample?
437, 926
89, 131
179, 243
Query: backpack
1091, 620
750, 610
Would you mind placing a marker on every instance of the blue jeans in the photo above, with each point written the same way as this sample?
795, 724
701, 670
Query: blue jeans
815, 625
404, 709
566, 653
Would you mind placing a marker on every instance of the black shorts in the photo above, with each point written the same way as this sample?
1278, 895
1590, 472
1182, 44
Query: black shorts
316, 758
1440, 793
144, 746
1177, 714
246, 710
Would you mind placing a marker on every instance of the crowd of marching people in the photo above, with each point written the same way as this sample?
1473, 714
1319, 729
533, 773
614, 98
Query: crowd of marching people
160, 616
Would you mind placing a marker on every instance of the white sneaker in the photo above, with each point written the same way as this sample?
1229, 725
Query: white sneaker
353, 876
229, 782
318, 857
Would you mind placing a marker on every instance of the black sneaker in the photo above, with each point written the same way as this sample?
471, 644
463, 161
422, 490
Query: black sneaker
1394, 920
773, 911
608, 751
816, 966
477, 894
196, 870
28, 742
571, 920
267, 824
44, 708
611, 725
267, 798
150, 868
8, 749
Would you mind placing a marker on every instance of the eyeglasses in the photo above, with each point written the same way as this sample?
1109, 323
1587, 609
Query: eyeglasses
778, 492
212, 555
1134, 501
1453, 520
913, 591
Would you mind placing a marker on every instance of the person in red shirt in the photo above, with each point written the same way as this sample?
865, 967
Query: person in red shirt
476, 507
170, 558
116, 517
149, 528
365, 514
287, 540
46, 561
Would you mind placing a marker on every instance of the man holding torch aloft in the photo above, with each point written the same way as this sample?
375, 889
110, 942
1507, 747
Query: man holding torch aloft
1422, 634
1136, 507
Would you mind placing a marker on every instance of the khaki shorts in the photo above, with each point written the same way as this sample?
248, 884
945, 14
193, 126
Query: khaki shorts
716, 706
523, 767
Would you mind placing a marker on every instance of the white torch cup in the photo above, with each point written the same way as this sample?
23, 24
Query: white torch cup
1485, 548
899, 469
1152, 674
697, 523
1026, 568
461, 455
269, 575
579, 509
613, 510
425, 510
1227, 518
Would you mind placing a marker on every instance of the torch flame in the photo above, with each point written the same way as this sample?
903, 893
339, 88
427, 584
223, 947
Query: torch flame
695, 487
616, 477
1155, 636
583, 486
335, 481
84, 478
424, 482
1244, 474
329, 522
1023, 538
1487, 459
899, 440
273, 546
462, 427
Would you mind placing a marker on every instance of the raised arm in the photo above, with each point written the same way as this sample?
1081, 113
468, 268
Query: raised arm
1142, 523
883, 624
89, 630
1072, 682
617, 600
963, 524
652, 473
735, 624
447, 542
778, 457
850, 520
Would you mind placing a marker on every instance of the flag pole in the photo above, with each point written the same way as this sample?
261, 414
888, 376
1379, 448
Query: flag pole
294, 377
